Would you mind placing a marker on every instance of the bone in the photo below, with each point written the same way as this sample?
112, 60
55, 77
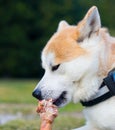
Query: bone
48, 112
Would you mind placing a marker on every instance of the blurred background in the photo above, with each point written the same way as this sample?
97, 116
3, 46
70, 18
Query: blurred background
26, 26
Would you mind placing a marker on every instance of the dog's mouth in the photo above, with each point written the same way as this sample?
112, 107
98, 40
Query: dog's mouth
61, 100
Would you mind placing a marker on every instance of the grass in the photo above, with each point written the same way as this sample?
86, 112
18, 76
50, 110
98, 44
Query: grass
17, 91
16, 97
35, 124
112, 32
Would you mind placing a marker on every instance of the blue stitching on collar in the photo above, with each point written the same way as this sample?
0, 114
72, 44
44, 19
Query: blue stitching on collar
114, 76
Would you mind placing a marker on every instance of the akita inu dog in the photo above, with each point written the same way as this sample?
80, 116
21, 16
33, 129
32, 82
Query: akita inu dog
76, 60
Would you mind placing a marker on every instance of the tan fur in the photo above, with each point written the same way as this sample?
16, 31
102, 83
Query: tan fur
86, 53
64, 45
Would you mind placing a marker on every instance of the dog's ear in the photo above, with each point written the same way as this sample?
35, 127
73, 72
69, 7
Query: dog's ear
90, 24
63, 24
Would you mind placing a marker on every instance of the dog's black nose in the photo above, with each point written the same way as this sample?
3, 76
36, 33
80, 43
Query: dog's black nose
37, 94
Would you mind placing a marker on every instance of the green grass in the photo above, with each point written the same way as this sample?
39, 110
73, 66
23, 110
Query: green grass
17, 91
61, 123
16, 97
112, 32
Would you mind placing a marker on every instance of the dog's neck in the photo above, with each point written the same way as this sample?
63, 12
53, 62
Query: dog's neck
105, 91
89, 84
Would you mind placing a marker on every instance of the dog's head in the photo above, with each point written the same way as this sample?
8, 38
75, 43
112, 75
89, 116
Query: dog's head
67, 58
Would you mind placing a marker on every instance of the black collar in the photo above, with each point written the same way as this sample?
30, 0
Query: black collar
107, 90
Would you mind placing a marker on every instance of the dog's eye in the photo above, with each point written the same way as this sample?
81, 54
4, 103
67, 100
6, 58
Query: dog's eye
54, 68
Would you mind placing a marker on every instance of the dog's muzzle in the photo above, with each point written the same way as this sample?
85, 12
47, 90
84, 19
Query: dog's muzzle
59, 101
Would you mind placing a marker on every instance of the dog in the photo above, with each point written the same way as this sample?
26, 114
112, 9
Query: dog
76, 60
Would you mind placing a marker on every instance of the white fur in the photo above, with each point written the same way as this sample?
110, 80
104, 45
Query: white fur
62, 25
80, 77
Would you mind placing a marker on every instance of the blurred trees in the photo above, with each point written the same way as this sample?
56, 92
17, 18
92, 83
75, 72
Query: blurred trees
26, 26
